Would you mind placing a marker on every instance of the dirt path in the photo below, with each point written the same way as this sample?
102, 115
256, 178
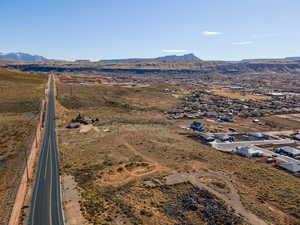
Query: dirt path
232, 198
282, 132
121, 174
158, 166
87, 128
71, 198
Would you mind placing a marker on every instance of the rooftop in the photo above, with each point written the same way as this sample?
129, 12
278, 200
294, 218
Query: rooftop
249, 149
259, 135
291, 150
291, 166
297, 136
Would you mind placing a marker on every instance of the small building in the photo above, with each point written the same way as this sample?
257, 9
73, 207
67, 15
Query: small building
73, 125
86, 120
225, 137
288, 151
292, 167
257, 135
249, 152
196, 126
226, 119
208, 137
296, 137
83, 120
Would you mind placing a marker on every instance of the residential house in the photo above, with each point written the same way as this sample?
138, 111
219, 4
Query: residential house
257, 135
288, 151
292, 167
249, 151
296, 137
208, 137
196, 126
224, 137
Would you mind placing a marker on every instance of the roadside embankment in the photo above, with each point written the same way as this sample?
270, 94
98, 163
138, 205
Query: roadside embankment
25, 187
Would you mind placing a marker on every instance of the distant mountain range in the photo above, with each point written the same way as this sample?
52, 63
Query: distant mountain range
274, 59
22, 57
82, 60
25, 57
169, 58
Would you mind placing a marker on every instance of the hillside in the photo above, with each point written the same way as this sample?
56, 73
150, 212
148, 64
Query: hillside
195, 67
20, 101
169, 58
22, 57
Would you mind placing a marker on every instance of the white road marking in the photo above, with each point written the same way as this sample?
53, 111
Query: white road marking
47, 156
50, 194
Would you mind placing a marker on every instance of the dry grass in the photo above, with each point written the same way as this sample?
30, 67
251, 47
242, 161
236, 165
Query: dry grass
110, 167
281, 123
238, 95
123, 99
20, 99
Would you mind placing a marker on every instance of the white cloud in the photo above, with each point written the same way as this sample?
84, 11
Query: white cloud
242, 43
211, 33
174, 51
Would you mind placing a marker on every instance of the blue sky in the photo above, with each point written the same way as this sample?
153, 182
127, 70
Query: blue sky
98, 29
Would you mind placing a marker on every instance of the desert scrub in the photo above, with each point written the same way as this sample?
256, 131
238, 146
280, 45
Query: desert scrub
20, 100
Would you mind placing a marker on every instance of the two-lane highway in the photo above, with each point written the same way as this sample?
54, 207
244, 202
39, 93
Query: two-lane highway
46, 208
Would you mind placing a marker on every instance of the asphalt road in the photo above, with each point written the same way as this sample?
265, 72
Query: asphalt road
231, 146
46, 206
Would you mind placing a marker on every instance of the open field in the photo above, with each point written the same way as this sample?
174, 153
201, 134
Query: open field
281, 122
121, 168
295, 117
237, 95
20, 99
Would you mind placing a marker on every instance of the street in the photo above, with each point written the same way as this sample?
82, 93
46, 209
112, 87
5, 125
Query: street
231, 146
46, 206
